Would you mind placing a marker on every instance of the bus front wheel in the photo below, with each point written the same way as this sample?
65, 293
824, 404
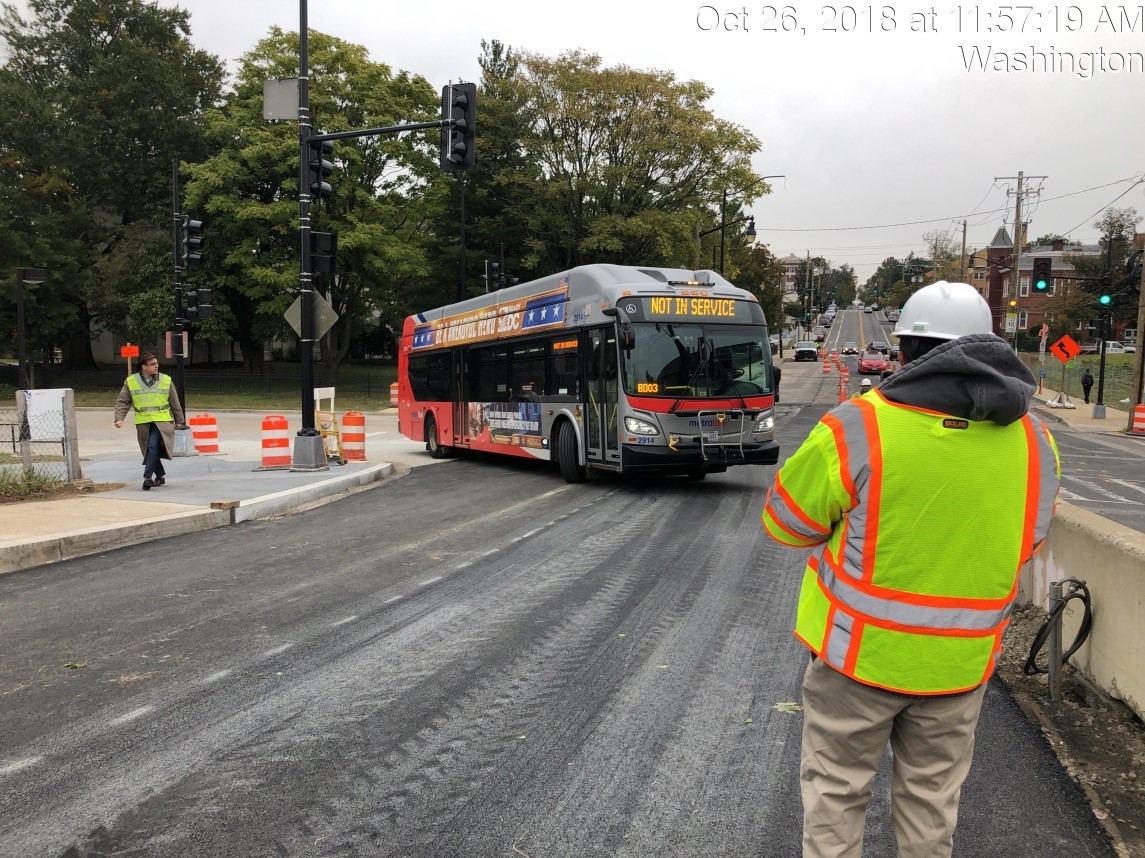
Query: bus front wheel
571, 469
436, 449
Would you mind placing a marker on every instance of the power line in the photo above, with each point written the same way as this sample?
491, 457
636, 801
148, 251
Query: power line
1002, 210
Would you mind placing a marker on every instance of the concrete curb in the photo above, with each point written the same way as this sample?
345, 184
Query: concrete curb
268, 506
93, 540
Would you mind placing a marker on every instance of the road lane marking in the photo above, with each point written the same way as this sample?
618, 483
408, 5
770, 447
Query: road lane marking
1102, 490
277, 650
19, 765
215, 677
344, 620
429, 581
394, 599
1129, 485
131, 716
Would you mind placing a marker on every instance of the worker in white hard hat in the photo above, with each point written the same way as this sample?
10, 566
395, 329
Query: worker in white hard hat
865, 387
921, 501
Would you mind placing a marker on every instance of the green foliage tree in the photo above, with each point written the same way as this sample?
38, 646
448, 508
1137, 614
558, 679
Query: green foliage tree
761, 274
1117, 227
386, 190
630, 164
98, 96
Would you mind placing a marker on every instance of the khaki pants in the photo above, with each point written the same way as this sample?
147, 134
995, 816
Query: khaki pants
846, 727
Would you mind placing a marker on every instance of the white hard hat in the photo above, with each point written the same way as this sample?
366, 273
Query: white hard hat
944, 311
866, 382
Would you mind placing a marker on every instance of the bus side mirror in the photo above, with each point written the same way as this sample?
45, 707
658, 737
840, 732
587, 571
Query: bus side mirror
627, 337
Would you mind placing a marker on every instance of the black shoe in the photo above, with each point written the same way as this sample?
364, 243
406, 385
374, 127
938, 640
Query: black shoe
160, 481
147, 484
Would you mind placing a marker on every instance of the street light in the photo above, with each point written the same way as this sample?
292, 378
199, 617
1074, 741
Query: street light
724, 222
750, 233
31, 276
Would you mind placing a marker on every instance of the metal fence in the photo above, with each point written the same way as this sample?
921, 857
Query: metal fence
1118, 378
282, 379
34, 443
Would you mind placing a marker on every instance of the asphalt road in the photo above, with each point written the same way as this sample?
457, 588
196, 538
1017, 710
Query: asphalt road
473, 659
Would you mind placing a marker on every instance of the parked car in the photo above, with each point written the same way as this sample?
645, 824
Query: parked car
873, 363
806, 350
878, 346
850, 348
1112, 347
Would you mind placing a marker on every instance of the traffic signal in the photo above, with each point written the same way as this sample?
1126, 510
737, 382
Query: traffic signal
1043, 271
323, 249
494, 276
459, 125
198, 303
192, 241
319, 168
1105, 284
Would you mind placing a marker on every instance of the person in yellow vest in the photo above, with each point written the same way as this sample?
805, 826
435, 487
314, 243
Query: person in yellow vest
864, 389
921, 501
158, 414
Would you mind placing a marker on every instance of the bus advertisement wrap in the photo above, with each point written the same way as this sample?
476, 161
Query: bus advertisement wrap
514, 423
506, 319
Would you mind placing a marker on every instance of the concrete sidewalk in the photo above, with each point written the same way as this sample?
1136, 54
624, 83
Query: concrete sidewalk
1078, 415
202, 491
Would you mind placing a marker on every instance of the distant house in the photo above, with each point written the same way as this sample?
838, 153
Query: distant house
992, 272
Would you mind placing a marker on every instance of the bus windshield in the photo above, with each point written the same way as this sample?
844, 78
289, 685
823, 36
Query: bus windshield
674, 359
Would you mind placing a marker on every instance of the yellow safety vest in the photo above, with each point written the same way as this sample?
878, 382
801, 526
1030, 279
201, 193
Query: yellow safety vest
152, 404
922, 522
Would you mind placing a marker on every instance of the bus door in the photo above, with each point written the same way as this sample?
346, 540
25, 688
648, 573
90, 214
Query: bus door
602, 389
460, 397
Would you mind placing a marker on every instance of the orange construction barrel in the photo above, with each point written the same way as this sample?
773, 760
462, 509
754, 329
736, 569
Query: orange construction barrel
394, 395
1138, 420
205, 433
275, 442
354, 436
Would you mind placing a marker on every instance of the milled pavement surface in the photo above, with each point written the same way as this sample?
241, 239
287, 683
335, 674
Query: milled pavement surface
203, 490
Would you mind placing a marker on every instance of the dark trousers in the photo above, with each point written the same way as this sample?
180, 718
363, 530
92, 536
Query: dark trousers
1085, 388
152, 462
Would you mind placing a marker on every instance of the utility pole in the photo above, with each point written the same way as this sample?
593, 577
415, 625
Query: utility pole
962, 258
1019, 237
1136, 397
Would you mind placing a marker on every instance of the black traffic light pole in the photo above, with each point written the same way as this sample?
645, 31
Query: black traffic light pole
308, 449
176, 230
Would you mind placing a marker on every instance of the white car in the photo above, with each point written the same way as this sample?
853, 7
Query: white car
1112, 347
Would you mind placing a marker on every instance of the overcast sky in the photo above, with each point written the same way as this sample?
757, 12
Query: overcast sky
882, 136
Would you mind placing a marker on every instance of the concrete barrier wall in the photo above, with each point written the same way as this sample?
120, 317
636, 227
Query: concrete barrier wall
1110, 559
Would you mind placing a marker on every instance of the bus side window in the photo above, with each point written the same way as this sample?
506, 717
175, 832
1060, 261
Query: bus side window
489, 374
563, 367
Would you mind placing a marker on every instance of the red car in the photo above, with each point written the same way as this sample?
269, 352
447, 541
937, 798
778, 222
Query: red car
873, 363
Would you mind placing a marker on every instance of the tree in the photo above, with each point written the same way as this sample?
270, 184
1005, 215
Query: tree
385, 189
97, 95
630, 163
761, 274
1117, 228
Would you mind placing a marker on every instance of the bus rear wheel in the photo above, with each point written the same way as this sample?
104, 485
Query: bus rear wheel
436, 449
571, 469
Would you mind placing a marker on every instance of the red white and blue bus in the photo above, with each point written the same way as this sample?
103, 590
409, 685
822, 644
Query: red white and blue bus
602, 367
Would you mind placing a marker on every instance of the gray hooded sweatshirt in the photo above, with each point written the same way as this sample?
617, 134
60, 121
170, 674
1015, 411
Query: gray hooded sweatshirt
977, 377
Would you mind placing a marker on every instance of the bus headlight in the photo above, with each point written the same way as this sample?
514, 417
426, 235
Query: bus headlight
763, 423
636, 426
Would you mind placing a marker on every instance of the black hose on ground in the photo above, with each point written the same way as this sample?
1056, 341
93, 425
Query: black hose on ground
1077, 590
